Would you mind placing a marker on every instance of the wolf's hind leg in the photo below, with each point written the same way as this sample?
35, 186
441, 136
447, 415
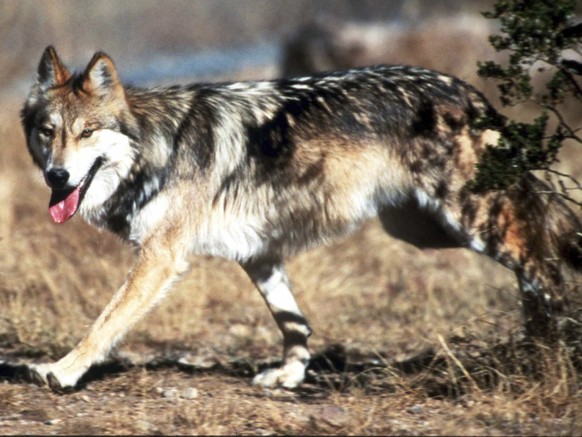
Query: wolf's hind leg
271, 280
526, 231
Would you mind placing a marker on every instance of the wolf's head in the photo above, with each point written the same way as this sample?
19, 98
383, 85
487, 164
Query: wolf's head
79, 131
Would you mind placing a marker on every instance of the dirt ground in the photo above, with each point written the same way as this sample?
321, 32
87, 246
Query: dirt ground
170, 400
345, 393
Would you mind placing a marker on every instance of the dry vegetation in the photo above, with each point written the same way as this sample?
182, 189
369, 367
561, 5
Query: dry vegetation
406, 342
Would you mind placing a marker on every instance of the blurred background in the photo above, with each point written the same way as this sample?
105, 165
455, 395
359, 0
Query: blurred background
154, 40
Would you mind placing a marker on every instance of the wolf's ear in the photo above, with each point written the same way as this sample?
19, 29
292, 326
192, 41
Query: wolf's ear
100, 77
51, 71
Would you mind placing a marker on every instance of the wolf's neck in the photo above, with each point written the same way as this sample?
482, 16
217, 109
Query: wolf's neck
160, 109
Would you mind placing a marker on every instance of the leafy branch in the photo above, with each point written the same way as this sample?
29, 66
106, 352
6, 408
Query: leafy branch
542, 42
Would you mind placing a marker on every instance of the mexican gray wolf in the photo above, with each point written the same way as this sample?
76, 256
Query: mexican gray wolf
257, 171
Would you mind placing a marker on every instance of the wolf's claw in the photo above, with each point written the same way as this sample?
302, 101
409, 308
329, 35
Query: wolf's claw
33, 376
56, 386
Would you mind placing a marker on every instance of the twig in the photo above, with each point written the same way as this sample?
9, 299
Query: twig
457, 362
565, 175
562, 123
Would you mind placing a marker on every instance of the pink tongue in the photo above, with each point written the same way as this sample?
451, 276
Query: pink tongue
63, 209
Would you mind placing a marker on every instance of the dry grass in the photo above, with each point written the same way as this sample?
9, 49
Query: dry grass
406, 342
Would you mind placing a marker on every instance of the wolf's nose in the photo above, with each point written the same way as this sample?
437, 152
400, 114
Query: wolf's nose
57, 177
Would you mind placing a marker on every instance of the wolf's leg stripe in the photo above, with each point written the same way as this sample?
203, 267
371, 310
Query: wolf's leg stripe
271, 280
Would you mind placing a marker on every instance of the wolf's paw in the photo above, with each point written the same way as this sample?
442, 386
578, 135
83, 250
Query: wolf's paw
46, 374
288, 376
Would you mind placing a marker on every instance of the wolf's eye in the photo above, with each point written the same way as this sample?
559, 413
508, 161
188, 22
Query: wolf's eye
87, 133
46, 132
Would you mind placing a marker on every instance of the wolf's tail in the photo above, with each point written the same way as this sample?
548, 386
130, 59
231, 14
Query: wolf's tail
559, 227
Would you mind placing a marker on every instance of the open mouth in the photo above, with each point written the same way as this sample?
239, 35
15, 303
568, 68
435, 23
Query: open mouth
65, 203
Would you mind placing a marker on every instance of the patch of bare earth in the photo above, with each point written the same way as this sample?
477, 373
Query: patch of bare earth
363, 397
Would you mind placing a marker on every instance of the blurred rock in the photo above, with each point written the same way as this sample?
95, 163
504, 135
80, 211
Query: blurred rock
189, 393
170, 393
416, 409
449, 44
333, 415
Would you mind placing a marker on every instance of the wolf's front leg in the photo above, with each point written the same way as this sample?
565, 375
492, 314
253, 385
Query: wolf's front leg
147, 283
271, 280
